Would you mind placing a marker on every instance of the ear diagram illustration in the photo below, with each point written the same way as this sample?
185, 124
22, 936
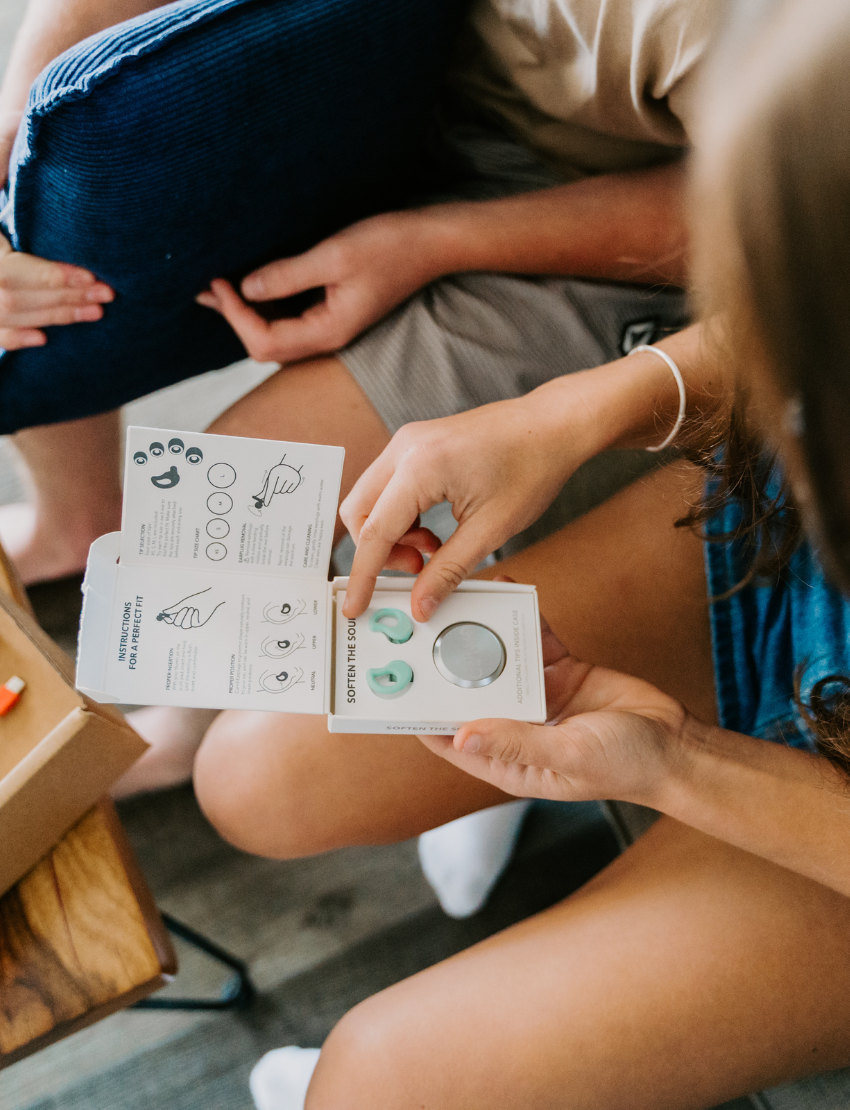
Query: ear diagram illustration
276, 648
168, 480
280, 682
274, 613
183, 614
283, 478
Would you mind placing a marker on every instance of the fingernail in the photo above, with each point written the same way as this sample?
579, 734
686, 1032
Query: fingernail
80, 278
428, 606
100, 295
471, 744
252, 287
89, 314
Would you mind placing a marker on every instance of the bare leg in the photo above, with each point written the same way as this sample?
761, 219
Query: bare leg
313, 402
76, 496
621, 586
687, 973
174, 735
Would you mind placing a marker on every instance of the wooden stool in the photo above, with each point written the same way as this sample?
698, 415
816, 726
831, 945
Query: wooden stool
80, 936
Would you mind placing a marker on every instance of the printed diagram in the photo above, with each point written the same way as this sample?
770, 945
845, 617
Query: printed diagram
156, 450
279, 649
221, 475
279, 683
219, 503
168, 480
182, 615
218, 528
283, 478
283, 614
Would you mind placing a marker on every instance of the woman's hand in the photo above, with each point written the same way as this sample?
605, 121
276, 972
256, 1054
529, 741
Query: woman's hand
500, 466
610, 736
366, 271
36, 294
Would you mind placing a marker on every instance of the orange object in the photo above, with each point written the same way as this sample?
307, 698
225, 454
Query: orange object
10, 693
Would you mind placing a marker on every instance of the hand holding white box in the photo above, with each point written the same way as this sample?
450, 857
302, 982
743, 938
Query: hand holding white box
215, 595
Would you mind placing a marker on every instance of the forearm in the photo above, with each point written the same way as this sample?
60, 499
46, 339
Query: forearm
51, 26
632, 402
619, 227
785, 805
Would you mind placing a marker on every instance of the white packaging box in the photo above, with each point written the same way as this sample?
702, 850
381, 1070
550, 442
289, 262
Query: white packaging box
433, 704
215, 595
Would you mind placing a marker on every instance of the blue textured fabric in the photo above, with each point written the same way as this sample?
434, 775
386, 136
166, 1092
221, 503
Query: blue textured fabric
201, 140
765, 634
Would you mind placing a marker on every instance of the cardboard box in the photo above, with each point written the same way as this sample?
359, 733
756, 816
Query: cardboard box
214, 595
59, 751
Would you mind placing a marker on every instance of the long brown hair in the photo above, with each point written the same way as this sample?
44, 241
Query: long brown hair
771, 233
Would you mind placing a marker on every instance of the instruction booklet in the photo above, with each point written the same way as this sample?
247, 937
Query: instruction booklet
215, 592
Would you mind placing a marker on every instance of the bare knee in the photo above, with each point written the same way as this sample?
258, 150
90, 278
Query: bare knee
256, 784
365, 1061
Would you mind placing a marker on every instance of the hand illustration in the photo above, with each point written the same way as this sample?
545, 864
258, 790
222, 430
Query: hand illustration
281, 614
279, 683
282, 478
181, 615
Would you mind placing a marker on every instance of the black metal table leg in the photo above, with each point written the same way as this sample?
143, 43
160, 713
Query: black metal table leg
238, 993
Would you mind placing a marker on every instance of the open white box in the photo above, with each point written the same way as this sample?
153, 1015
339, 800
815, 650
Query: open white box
216, 596
432, 703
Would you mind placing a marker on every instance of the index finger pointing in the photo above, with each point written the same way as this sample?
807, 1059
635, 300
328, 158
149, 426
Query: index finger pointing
394, 514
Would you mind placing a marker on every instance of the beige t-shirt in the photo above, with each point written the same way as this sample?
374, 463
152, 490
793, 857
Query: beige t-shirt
593, 86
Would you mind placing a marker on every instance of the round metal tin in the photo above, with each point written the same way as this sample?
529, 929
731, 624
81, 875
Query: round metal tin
469, 654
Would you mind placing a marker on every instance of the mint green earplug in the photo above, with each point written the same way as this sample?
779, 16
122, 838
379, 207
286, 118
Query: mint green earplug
395, 625
391, 680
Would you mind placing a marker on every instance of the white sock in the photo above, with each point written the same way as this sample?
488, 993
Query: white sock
464, 859
280, 1079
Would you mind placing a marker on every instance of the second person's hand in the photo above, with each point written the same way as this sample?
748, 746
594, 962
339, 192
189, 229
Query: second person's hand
500, 466
36, 294
366, 271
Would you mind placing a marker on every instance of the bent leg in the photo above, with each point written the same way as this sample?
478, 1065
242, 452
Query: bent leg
687, 973
73, 470
621, 586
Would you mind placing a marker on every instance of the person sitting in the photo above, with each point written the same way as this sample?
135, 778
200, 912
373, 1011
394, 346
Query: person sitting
457, 301
595, 126
707, 677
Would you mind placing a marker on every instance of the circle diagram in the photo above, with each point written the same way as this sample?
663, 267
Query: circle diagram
221, 475
469, 654
219, 503
216, 552
217, 528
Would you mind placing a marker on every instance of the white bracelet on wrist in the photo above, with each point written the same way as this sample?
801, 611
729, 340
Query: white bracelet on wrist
683, 397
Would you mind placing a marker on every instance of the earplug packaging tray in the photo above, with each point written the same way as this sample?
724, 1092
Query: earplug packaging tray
215, 595
59, 751
480, 655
